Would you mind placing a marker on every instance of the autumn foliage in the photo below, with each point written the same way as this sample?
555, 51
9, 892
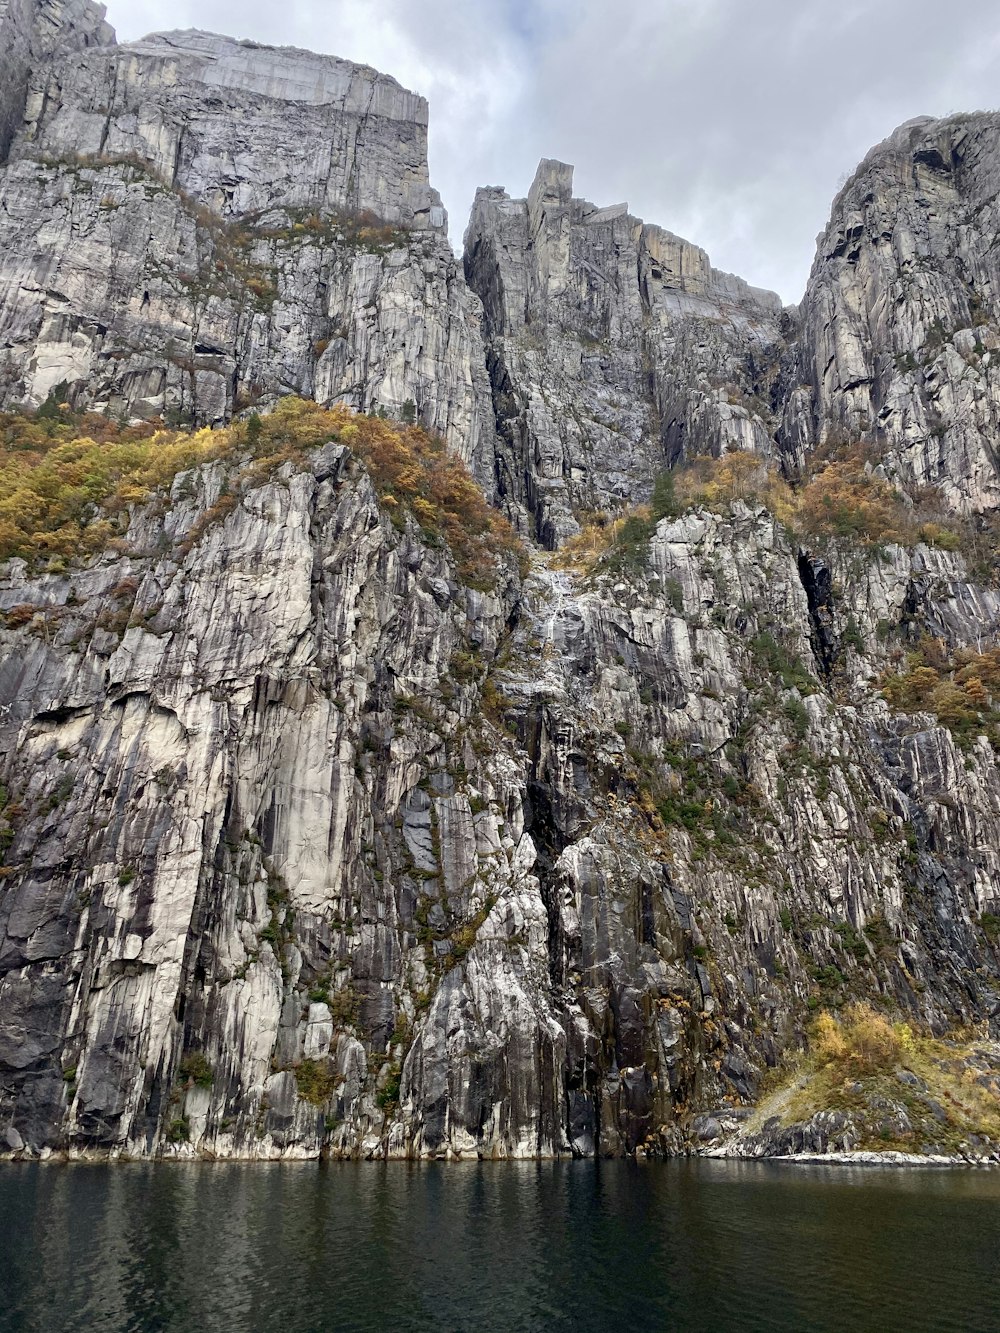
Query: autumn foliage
841, 500
962, 691
68, 481
414, 472
715, 483
844, 497
859, 1039
64, 478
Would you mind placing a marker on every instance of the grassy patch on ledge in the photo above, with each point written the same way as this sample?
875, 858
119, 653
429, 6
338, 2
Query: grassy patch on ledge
69, 480
904, 1090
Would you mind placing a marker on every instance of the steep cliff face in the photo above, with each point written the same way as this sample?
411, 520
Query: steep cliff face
316, 839
226, 836
614, 349
194, 225
901, 317
317, 853
32, 32
241, 127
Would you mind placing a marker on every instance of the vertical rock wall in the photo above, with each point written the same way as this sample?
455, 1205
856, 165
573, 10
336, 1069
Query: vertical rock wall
242, 127
193, 226
309, 846
614, 349
901, 321
15, 61
31, 33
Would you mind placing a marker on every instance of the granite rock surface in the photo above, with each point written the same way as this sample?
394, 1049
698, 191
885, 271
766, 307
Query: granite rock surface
901, 319
309, 846
195, 226
614, 349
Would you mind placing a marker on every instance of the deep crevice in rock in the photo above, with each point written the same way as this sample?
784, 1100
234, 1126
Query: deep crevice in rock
817, 581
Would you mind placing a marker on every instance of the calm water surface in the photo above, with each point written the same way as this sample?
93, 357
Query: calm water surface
560, 1246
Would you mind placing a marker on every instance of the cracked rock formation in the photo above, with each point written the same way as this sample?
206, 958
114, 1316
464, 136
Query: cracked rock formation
32, 33
319, 826
901, 316
314, 843
241, 127
614, 347
194, 225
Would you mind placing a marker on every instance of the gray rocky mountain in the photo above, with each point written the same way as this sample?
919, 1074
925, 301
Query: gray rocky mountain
315, 841
614, 348
194, 225
32, 34
901, 312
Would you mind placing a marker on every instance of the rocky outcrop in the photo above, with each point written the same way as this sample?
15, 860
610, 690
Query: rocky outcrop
315, 844
32, 32
901, 319
142, 303
243, 128
614, 350
888, 1111
193, 226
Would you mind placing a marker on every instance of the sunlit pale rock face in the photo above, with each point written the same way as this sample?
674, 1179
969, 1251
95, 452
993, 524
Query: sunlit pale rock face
310, 847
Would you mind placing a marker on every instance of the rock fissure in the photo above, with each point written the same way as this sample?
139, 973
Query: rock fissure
320, 834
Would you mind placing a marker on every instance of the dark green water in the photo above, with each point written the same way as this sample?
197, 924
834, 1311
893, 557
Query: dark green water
559, 1246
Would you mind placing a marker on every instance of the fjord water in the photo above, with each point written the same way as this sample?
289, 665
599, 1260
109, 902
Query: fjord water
556, 1246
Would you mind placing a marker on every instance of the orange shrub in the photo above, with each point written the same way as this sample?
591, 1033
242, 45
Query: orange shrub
416, 470
845, 501
961, 692
58, 482
716, 482
61, 478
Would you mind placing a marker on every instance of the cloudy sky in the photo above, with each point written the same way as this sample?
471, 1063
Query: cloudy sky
729, 121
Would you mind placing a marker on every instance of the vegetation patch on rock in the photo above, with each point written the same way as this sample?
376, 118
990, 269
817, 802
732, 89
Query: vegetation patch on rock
891, 1086
962, 690
68, 480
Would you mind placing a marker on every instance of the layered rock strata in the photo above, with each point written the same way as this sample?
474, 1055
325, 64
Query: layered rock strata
241, 127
